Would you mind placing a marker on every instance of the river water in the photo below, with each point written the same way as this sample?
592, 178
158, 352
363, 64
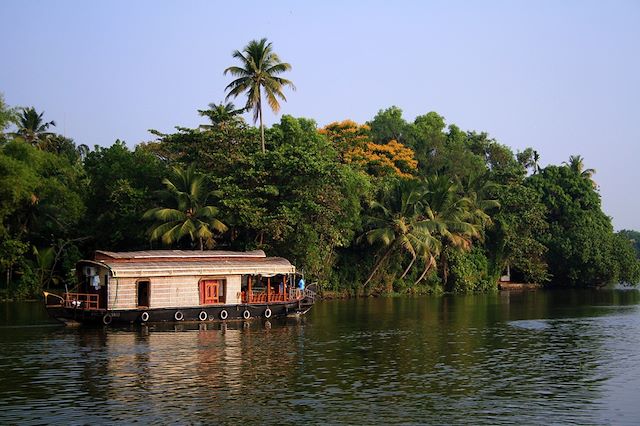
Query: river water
544, 357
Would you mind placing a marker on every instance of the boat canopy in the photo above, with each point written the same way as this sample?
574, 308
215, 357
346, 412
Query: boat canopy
168, 263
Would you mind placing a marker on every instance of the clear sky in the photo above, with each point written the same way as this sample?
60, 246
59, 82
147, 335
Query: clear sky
560, 76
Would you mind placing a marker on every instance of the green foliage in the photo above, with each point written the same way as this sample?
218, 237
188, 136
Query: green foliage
8, 116
514, 241
452, 220
311, 202
582, 248
190, 215
389, 125
122, 186
626, 263
634, 238
40, 193
469, 271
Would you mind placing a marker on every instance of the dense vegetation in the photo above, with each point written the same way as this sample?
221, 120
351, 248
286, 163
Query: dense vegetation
389, 205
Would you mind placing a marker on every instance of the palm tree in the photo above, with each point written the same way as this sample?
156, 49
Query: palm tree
399, 227
478, 190
576, 164
529, 159
452, 217
258, 72
221, 115
31, 126
536, 162
192, 216
83, 151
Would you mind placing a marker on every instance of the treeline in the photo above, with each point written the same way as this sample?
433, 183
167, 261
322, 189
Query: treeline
389, 205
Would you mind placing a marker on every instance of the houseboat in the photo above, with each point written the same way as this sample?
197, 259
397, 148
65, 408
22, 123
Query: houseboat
178, 285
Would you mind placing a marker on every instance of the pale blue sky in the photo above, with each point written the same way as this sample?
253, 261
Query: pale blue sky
560, 76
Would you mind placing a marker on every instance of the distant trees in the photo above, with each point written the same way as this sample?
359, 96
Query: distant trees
257, 74
389, 205
582, 248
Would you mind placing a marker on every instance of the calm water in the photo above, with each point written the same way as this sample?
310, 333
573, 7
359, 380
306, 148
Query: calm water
526, 358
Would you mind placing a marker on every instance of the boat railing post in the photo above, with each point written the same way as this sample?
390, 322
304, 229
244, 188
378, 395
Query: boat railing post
268, 289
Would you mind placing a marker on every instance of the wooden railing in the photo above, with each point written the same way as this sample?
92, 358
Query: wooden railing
84, 301
262, 297
307, 293
292, 294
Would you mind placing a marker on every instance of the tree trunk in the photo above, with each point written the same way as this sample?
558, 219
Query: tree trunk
201, 244
431, 260
408, 267
264, 149
445, 269
380, 262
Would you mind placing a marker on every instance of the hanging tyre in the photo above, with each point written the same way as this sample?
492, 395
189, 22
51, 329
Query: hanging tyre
106, 319
246, 314
203, 316
178, 316
267, 313
224, 314
144, 317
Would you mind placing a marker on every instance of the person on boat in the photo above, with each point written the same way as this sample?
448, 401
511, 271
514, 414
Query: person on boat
301, 284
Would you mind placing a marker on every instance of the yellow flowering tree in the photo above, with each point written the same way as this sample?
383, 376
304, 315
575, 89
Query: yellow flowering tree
353, 142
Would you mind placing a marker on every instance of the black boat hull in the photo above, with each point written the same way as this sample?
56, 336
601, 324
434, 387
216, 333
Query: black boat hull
218, 313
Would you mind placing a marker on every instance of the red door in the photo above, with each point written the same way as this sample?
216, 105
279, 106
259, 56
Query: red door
209, 292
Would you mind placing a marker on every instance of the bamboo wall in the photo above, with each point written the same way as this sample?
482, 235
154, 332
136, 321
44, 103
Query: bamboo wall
167, 292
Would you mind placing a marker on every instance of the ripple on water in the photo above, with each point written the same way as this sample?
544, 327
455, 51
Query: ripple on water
530, 324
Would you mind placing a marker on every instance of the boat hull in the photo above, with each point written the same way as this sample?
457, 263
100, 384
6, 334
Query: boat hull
177, 315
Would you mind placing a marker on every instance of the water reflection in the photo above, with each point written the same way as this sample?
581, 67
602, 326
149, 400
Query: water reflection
564, 357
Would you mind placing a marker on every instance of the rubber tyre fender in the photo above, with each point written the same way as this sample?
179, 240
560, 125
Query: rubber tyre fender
106, 319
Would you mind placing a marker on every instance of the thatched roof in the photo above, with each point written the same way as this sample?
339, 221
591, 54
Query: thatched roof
180, 255
167, 263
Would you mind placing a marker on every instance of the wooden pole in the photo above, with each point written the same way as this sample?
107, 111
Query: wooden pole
269, 289
249, 289
284, 288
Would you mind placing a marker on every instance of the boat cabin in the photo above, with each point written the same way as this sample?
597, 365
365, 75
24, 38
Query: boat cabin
178, 279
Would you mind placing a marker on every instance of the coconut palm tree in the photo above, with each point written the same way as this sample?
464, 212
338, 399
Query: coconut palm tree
536, 162
451, 217
31, 127
191, 215
576, 164
398, 226
478, 190
258, 73
221, 115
